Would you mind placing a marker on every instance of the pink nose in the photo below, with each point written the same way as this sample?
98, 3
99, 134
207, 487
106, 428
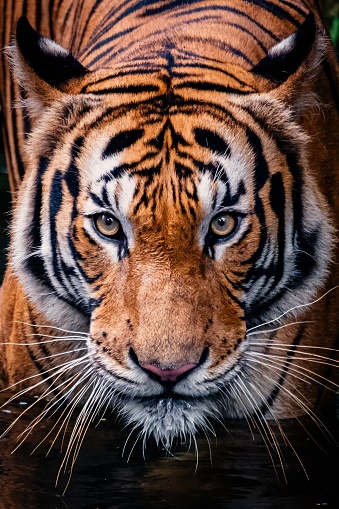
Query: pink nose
169, 375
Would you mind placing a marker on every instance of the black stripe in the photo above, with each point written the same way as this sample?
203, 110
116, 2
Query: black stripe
211, 140
35, 263
166, 6
104, 43
234, 11
55, 202
277, 202
261, 176
61, 269
121, 141
203, 65
183, 171
131, 89
104, 28
213, 87
274, 9
233, 297
235, 285
71, 175
15, 129
232, 199
40, 369
293, 6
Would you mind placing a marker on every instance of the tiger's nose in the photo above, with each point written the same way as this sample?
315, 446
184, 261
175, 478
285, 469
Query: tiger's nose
169, 375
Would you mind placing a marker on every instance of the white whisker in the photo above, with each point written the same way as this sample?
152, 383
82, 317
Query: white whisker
51, 327
43, 342
305, 372
283, 434
22, 436
304, 356
300, 306
62, 353
263, 426
68, 364
277, 328
306, 410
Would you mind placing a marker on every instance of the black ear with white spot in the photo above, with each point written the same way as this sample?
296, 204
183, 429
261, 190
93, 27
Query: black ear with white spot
50, 62
285, 58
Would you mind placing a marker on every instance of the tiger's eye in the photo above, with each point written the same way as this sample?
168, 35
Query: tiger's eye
107, 224
223, 225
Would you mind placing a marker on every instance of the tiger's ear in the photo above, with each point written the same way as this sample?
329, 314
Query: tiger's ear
41, 67
293, 60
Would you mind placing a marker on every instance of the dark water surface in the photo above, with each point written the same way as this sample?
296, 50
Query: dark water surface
240, 475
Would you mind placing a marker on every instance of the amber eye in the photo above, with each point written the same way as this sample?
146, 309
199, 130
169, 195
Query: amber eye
106, 224
223, 225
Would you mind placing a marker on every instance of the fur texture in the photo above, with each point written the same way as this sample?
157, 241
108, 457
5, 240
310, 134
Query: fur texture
207, 135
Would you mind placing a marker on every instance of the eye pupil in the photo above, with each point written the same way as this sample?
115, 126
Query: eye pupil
221, 221
107, 219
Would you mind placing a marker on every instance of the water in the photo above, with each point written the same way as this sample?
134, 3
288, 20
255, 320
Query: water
241, 474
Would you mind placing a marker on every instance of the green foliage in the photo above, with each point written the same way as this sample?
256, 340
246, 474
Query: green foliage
331, 11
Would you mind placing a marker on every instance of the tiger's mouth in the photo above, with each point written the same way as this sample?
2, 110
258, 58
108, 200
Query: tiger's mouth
168, 410
166, 418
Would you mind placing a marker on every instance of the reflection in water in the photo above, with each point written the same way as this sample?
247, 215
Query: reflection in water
240, 475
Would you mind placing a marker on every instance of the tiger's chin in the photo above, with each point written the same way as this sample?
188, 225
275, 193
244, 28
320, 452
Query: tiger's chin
169, 418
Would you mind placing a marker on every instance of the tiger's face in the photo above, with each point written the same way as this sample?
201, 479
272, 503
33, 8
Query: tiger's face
166, 320
166, 228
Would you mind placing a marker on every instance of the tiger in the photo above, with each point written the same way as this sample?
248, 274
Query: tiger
174, 167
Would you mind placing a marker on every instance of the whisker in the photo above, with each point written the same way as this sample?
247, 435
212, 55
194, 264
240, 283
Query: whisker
61, 353
29, 428
300, 306
208, 443
272, 343
196, 453
263, 427
297, 400
46, 392
306, 410
78, 336
74, 402
127, 439
280, 362
50, 327
278, 328
75, 434
55, 340
62, 397
283, 434
133, 447
303, 356
65, 365
88, 414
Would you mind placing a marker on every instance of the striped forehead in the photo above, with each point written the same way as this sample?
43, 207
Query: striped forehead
217, 165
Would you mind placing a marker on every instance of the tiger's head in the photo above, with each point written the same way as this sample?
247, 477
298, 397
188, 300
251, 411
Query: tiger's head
164, 217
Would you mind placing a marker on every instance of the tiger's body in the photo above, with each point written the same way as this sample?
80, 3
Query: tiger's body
178, 210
